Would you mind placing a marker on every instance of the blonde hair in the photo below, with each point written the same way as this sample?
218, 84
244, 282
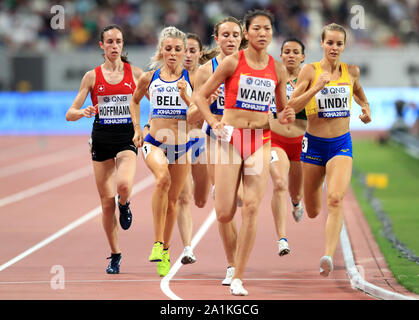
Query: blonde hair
168, 32
333, 27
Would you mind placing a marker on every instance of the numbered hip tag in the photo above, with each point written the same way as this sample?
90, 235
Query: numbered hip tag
304, 145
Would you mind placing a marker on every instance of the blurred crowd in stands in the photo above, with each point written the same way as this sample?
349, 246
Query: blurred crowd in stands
26, 24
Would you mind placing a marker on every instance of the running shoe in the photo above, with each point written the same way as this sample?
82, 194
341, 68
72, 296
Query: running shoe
163, 266
297, 210
229, 276
113, 267
188, 257
283, 247
326, 265
156, 253
125, 215
236, 288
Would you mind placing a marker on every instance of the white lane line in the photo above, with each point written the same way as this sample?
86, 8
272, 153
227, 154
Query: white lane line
43, 161
355, 277
156, 280
165, 282
54, 183
143, 184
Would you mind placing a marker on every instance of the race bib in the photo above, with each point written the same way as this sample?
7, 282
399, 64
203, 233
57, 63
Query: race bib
333, 102
114, 109
254, 93
217, 107
290, 90
272, 106
167, 102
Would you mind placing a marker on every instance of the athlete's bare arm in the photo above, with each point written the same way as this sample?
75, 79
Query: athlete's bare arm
359, 95
136, 73
134, 106
74, 113
224, 70
201, 76
301, 94
285, 113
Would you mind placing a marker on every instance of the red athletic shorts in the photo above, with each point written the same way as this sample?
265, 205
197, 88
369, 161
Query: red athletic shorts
247, 141
292, 146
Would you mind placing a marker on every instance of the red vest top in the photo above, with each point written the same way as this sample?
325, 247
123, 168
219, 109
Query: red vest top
251, 89
113, 99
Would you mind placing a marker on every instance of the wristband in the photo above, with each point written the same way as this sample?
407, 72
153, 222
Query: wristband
147, 125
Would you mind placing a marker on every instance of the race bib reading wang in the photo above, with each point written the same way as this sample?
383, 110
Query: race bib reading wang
254, 93
114, 109
333, 102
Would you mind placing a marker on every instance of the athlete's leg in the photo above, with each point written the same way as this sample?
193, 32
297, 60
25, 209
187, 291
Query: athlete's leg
157, 162
184, 218
254, 185
295, 181
338, 177
279, 168
178, 174
225, 202
227, 179
104, 176
211, 152
201, 183
126, 164
313, 187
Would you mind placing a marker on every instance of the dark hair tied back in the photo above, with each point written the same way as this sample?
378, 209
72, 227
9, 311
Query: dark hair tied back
124, 58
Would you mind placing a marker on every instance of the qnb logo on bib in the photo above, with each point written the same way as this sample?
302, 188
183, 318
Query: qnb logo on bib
114, 109
333, 102
254, 93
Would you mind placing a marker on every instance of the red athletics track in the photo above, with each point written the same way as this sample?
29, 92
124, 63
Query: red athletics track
40, 197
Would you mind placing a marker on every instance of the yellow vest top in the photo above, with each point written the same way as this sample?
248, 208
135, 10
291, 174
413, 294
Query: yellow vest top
334, 100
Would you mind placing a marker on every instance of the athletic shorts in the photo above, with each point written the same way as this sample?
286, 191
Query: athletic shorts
247, 141
206, 128
102, 151
291, 146
197, 145
172, 152
319, 151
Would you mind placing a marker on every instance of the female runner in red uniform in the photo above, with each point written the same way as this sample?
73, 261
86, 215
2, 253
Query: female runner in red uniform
111, 86
286, 171
251, 78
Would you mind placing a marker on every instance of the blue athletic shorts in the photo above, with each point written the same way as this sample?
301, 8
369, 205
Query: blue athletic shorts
198, 146
172, 152
319, 151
